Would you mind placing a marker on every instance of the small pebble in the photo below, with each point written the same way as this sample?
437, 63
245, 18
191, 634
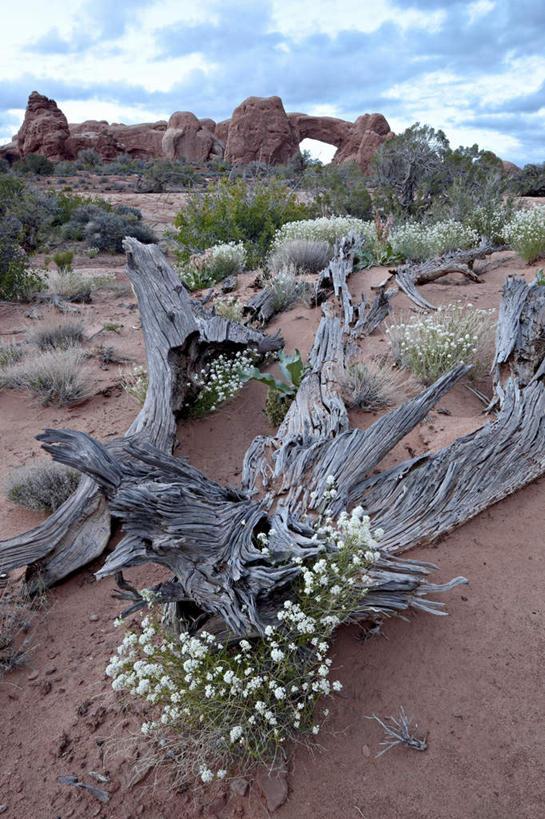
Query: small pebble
94, 618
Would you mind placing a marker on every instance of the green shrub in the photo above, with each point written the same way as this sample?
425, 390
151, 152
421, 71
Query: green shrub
17, 280
65, 168
63, 259
525, 233
240, 211
56, 377
35, 164
339, 189
529, 181
106, 231
430, 347
42, 486
416, 242
163, 174
308, 255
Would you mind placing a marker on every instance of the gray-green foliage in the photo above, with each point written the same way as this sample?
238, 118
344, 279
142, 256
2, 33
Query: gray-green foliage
59, 336
308, 255
42, 486
55, 377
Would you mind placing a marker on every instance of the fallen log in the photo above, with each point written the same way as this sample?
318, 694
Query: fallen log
207, 535
181, 338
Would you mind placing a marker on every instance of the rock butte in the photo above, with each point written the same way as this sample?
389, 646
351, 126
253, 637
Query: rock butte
259, 129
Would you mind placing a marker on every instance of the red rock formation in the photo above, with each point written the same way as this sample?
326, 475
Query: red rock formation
44, 130
186, 138
260, 129
356, 141
509, 168
10, 152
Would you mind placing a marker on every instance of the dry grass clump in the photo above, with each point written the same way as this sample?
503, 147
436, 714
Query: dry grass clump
58, 336
135, 382
16, 614
68, 284
55, 377
285, 288
42, 486
308, 255
373, 385
11, 354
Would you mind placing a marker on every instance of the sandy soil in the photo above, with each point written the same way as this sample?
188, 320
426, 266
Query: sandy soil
473, 680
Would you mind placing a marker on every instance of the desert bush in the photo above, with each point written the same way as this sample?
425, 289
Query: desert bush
10, 354
430, 347
323, 229
34, 164
232, 708
229, 307
239, 211
16, 615
339, 189
4, 165
70, 284
373, 385
525, 233
308, 255
163, 174
42, 486
58, 336
17, 280
106, 231
88, 158
285, 289
65, 168
25, 213
215, 264
136, 382
416, 242
55, 377
529, 181
63, 259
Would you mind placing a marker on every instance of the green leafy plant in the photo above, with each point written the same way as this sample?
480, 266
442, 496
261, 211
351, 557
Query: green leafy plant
280, 393
215, 264
63, 259
240, 211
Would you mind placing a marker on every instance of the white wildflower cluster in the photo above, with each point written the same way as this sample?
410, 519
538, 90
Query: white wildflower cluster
241, 702
285, 288
525, 233
220, 380
135, 382
229, 307
431, 346
325, 228
417, 242
214, 264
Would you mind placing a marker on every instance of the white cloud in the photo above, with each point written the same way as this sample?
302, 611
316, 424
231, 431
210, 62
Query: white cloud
299, 20
479, 9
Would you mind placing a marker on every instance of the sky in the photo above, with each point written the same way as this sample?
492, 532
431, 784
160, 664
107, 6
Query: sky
474, 69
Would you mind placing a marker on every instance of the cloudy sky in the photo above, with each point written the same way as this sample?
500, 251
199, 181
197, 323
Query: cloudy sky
475, 69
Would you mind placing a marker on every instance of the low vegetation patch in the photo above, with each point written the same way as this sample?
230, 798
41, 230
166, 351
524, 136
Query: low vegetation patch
42, 486
305, 255
135, 382
229, 307
55, 377
219, 381
324, 229
58, 336
215, 264
416, 242
373, 385
285, 288
11, 354
231, 707
16, 614
429, 347
526, 233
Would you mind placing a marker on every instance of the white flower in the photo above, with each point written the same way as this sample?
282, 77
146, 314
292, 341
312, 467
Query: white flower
222, 773
280, 693
206, 774
337, 686
235, 733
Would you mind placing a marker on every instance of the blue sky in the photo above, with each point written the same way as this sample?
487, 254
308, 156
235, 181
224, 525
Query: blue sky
475, 69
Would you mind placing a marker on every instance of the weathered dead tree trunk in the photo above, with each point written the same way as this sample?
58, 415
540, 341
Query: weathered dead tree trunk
409, 275
206, 534
180, 338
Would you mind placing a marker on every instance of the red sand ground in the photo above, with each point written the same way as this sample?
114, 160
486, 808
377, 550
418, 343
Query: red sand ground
472, 680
